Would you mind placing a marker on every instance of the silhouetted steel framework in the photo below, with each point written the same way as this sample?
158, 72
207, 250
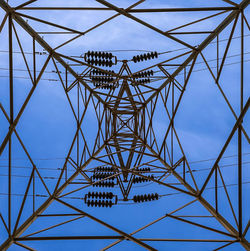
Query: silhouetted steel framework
124, 103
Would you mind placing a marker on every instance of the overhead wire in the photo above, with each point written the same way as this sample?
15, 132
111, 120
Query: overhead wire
222, 40
52, 177
176, 193
57, 80
61, 158
139, 50
53, 71
225, 157
164, 195
160, 196
209, 188
127, 50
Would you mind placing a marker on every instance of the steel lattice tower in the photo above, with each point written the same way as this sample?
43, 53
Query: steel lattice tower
123, 148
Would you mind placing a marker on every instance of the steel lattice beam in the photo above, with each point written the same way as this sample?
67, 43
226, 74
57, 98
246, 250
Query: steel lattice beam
128, 118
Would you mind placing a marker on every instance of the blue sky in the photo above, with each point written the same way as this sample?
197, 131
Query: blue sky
203, 123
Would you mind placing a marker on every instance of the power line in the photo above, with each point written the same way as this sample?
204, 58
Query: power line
54, 158
161, 196
211, 60
27, 53
60, 158
225, 157
128, 50
53, 71
222, 40
57, 80
26, 176
208, 188
228, 165
59, 169
25, 70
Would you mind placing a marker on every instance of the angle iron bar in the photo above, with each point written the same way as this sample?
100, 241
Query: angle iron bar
144, 10
219, 217
109, 226
151, 223
228, 197
197, 21
125, 13
23, 246
44, 44
224, 95
23, 55
13, 125
237, 124
207, 41
42, 208
98, 25
24, 4
53, 226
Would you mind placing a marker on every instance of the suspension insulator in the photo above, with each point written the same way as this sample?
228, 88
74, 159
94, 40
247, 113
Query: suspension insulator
101, 79
141, 198
99, 203
100, 195
155, 54
108, 203
145, 197
100, 62
135, 198
146, 169
155, 196
144, 74
145, 56
98, 72
142, 179
143, 81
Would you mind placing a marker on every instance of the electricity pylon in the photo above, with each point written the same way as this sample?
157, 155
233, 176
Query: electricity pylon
105, 162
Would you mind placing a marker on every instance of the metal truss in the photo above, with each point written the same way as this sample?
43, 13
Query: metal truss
125, 135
